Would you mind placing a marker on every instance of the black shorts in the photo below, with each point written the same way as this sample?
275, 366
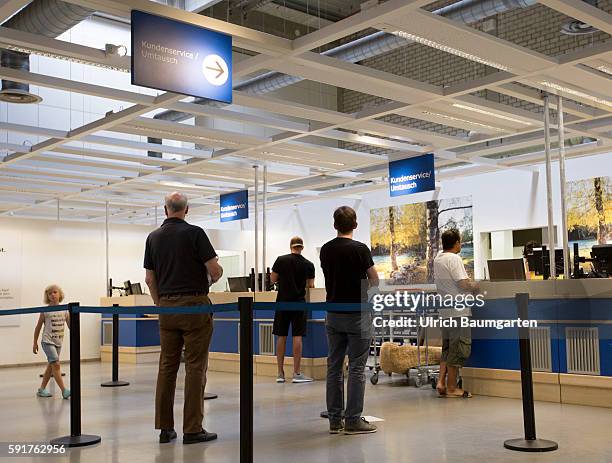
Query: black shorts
297, 318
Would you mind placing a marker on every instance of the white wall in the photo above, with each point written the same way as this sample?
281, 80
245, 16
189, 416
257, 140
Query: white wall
503, 200
73, 256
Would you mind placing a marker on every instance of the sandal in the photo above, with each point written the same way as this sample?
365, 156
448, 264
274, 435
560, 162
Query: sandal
465, 395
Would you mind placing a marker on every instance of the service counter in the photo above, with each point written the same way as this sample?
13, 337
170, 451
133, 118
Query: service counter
139, 335
571, 346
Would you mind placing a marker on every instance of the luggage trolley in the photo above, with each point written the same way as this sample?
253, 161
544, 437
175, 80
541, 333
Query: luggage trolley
425, 373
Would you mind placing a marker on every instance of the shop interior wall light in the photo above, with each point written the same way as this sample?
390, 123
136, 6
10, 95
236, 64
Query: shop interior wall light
578, 93
490, 113
451, 50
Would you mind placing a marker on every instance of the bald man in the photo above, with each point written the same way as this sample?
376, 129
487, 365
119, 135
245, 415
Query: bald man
181, 264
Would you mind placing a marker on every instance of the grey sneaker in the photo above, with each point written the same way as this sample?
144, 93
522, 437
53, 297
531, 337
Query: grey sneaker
301, 378
361, 426
336, 427
280, 379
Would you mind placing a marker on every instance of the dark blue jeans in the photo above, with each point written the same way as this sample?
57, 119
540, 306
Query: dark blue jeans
347, 334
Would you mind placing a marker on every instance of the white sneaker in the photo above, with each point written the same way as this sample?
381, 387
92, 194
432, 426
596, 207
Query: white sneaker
301, 378
280, 379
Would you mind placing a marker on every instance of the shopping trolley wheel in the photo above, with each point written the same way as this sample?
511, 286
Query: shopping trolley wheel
433, 382
371, 367
374, 378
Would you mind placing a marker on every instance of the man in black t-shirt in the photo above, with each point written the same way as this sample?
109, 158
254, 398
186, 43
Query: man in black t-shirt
180, 265
346, 263
294, 273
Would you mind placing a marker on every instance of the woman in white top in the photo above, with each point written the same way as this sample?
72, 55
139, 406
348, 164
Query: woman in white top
52, 339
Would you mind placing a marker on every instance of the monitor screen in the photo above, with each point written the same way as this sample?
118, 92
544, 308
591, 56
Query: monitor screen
238, 284
506, 270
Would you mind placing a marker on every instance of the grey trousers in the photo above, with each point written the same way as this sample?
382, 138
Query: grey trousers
347, 334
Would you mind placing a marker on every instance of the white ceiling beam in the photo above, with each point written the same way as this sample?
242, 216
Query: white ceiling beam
333, 71
461, 37
102, 124
355, 23
137, 158
45, 46
9, 7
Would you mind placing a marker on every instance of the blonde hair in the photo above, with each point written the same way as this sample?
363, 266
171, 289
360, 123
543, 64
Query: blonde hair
50, 288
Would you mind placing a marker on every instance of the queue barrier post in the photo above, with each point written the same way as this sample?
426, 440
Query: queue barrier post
115, 354
76, 438
530, 443
245, 305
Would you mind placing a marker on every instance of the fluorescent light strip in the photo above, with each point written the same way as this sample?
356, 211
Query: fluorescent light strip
316, 161
490, 113
170, 134
31, 51
457, 119
577, 93
451, 50
605, 69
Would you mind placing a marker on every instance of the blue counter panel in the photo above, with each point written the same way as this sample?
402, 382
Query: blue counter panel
497, 349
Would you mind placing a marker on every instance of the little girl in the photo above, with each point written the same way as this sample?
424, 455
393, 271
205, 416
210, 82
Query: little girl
52, 338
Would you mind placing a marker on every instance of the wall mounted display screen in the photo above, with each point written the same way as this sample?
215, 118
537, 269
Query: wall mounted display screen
589, 215
405, 239
412, 175
234, 206
178, 57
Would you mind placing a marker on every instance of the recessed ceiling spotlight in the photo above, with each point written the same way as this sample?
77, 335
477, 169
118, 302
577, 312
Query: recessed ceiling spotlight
451, 50
578, 93
490, 113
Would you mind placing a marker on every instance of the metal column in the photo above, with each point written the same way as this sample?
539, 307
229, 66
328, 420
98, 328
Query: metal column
256, 229
549, 198
106, 239
263, 227
561, 134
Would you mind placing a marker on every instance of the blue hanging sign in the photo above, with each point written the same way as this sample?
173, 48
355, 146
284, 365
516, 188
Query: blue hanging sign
412, 175
234, 206
182, 58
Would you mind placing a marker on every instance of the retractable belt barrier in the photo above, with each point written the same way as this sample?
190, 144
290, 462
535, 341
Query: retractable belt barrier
245, 306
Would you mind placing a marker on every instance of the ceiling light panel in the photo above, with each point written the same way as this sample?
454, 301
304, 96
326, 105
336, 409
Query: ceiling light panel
574, 92
491, 114
459, 122
449, 49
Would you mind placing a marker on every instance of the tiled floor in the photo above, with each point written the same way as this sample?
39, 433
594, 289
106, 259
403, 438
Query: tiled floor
418, 427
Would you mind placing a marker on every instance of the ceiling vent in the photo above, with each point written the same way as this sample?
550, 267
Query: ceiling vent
575, 27
16, 92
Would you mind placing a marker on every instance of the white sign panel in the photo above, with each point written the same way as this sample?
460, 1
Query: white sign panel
10, 277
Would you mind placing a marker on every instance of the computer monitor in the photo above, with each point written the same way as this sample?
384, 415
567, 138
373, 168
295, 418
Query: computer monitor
602, 258
506, 270
238, 284
540, 263
136, 288
131, 288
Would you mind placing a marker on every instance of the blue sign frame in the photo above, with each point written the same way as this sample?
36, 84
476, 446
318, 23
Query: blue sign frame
182, 58
412, 175
234, 206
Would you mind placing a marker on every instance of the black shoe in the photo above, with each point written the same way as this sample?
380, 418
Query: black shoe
196, 437
361, 426
336, 427
166, 435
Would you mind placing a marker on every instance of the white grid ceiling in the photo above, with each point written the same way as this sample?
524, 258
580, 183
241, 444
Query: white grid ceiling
58, 175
